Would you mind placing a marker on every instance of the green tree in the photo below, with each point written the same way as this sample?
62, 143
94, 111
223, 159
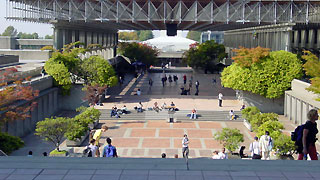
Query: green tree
274, 128
311, 68
259, 119
9, 143
144, 35
53, 129
284, 146
249, 112
139, 52
268, 77
230, 138
128, 36
22, 35
194, 35
48, 37
10, 31
205, 55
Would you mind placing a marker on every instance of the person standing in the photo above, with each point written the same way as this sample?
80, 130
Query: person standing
184, 79
309, 136
265, 145
185, 146
223, 154
150, 83
97, 135
109, 151
255, 149
93, 148
220, 96
197, 85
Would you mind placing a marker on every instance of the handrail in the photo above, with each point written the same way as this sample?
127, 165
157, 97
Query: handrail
2, 153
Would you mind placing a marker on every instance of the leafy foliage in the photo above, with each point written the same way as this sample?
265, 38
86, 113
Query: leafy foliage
136, 35
53, 129
274, 128
260, 118
284, 145
9, 143
79, 124
194, 35
22, 35
139, 52
312, 67
248, 112
10, 109
205, 55
10, 31
93, 92
230, 138
48, 36
268, 77
246, 57
144, 35
67, 67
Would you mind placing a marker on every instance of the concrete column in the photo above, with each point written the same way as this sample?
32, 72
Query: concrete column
82, 37
64, 37
73, 36
105, 40
94, 38
101, 39
289, 40
296, 39
311, 39
58, 44
89, 38
303, 39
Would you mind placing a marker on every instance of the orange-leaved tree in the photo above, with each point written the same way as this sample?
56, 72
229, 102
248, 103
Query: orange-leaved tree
246, 57
15, 97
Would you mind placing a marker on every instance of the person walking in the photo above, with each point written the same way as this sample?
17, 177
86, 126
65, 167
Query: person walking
265, 145
96, 135
150, 83
185, 146
109, 151
93, 148
170, 79
255, 149
184, 79
197, 85
220, 96
309, 136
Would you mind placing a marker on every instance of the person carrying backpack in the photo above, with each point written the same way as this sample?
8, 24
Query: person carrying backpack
109, 151
265, 144
91, 150
309, 139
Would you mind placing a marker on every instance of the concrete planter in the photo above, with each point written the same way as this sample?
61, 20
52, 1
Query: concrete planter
247, 124
78, 142
94, 124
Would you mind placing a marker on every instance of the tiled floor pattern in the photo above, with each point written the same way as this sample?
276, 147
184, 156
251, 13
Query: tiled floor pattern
152, 138
91, 174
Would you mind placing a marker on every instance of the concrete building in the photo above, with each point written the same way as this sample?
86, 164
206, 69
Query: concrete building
217, 36
7, 42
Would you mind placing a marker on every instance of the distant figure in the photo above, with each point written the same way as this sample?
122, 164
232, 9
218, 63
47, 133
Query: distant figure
170, 79
164, 105
124, 109
197, 85
191, 78
43, 72
185, 146
138, 92
45, 154
163, 155
231, 114
120, 80
176, 156
150, 82
109, 151
214, 81
140, 106
193, 114
255, 149
92, 149
172, 104
215, 155
220, 96
223, 154
265, 144
242, 155
169, 63
30, 154
184, 79
156, 107
175, 78
242, 107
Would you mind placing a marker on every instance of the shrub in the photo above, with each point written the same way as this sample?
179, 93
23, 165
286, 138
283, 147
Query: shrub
248, 112
10, 143
55, 152
274, 128
230, 138
53, 129
260, 118
284, 145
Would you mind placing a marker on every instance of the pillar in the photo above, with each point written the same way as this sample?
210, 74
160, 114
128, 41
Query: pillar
105, 40
58, 38
101, 39
296, 39
73, 36
318, 38
82, 37
303, 39
89, 38
94, 38
311, 38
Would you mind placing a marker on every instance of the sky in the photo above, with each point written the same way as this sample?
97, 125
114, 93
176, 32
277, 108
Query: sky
44, 29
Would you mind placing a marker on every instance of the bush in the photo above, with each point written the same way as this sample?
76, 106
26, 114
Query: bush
248, 112
284, 145
274, 128
56, 152
9, 143
230, 138
268, 75
260, 118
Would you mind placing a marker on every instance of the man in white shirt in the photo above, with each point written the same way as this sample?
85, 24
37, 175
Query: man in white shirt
265, 145
93, 148
215, 155
185, 146
138, 92
223, 154
220, 96
255, 149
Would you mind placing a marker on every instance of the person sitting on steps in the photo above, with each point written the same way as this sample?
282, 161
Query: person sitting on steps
193, 114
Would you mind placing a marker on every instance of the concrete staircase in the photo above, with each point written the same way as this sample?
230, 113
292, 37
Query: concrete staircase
179, 115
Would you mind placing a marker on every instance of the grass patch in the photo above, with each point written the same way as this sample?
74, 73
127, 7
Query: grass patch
55, 152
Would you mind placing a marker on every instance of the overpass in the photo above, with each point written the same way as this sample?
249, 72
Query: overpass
97, 21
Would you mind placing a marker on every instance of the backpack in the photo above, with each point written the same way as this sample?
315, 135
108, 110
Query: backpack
111, 151
87, 152
296, 136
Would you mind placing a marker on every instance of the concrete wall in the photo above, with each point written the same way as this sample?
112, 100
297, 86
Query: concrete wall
28, 54
7, 42
35, 42
264, 104
74, 100
47, 105
298, 101
8, 59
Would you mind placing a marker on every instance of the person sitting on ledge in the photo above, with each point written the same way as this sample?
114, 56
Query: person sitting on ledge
156, 107
215, 155
164, 105
139, 108
163, 155
124, 109
193, 114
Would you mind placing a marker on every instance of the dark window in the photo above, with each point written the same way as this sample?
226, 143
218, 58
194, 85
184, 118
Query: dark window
299, 36
307, 36
315, 36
